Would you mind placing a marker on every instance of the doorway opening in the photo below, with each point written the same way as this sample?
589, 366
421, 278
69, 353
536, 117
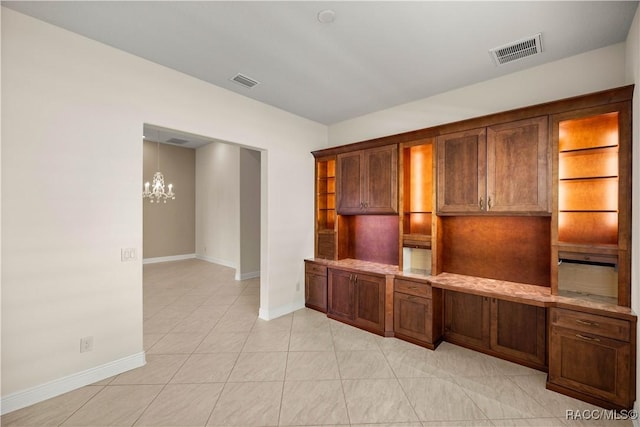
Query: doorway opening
216, 213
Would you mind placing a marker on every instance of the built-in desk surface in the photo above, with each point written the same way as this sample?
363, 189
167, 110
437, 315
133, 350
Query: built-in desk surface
511, 291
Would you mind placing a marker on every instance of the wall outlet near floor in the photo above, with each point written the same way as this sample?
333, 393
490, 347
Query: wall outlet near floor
298, 287
128, 254
86, 344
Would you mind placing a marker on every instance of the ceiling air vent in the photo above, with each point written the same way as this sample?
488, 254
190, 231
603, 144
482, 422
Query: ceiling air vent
517, 50
244, 81
177, 141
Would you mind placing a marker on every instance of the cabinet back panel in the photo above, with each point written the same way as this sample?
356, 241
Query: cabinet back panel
589, 132
514, 249
374, 238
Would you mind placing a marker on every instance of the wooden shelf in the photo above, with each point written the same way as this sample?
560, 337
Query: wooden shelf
420, 241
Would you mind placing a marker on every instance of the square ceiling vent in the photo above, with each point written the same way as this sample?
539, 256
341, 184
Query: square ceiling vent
517, 50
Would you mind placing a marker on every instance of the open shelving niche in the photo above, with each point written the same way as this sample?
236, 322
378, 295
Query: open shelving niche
588, 167
416, 206
326, 207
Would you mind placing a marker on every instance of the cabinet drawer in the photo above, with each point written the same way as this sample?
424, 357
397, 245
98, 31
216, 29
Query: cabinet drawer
413, 288
591, 323
316, 269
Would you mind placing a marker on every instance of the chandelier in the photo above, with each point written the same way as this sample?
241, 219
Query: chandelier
156, 192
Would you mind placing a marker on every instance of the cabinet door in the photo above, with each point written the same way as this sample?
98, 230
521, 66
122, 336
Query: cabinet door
412, 317
369, 302
518, 166
519, 331
340, 299
466, 319
350, 182
316, 292
591, 364
462, 161
381, 180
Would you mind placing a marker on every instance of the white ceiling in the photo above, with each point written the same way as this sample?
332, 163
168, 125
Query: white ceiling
375, 55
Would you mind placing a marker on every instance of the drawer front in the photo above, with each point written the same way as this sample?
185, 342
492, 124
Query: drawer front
591, 323
413, 288
317, 269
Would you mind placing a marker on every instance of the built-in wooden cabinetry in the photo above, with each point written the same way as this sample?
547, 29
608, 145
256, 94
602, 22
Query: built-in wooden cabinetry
416, 205
315, 286
368, 181
357, 298
510, 330
508, 234
417, 312
326, 218
503, 168
592, 198
592, 357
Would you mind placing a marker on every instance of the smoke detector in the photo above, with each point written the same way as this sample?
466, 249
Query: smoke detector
326, 16
517, 50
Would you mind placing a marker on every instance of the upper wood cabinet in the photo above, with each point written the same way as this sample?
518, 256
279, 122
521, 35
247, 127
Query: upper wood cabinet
518, 166
462, 163
367, 181
500, 169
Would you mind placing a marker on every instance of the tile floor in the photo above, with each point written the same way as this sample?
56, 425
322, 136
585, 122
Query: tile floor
212, 362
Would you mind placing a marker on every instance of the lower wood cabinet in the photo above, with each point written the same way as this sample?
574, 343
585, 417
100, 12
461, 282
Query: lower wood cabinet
357, 299
519, 331
466, 319
417, 312
592, 358
315, 286
506, 329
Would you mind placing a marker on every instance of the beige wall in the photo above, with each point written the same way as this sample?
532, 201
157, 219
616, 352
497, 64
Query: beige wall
218, 203
249, 214
169, 228
73, 112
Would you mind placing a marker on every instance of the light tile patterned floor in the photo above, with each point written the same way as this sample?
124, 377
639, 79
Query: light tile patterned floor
212, 362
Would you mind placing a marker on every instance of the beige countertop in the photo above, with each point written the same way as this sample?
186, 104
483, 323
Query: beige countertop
511, 291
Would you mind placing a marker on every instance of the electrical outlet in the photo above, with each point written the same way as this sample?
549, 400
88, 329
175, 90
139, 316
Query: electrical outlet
128, 254
298, 287
86, 344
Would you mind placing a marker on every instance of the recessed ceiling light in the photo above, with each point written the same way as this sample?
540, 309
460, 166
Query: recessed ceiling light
326, 16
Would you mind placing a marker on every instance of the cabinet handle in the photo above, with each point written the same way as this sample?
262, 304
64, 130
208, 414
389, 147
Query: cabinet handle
412, 287
481, 203
355, 278
586, 322
489, 203
366, 204
584, 337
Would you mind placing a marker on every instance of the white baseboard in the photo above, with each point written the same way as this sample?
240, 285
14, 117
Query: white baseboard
218, 261
279, 311
71, 382
247, 276
168, 258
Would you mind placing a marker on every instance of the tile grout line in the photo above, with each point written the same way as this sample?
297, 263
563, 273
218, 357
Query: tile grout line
335, 355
